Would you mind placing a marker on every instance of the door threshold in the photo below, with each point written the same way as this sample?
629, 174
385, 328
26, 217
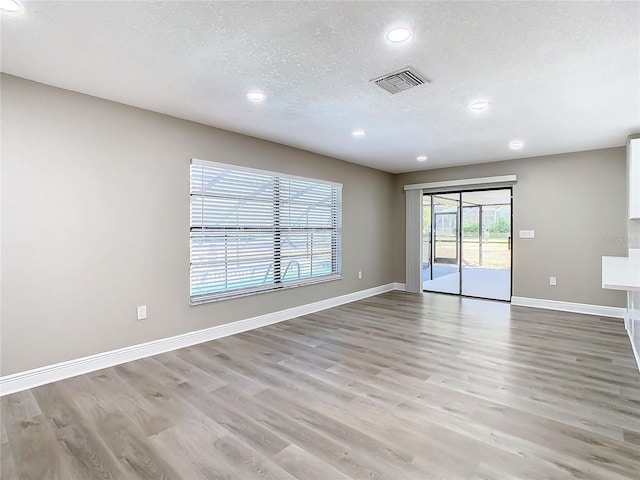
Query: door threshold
469, 296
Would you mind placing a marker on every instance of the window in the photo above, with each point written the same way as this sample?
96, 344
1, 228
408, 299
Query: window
255, 231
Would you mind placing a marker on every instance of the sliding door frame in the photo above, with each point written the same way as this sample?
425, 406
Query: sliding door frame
459, 237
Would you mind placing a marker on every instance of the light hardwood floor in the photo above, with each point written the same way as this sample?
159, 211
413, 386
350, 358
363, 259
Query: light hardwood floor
396, 386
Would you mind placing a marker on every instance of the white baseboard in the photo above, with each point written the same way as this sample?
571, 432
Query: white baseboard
399, 286
599, 310
52, 373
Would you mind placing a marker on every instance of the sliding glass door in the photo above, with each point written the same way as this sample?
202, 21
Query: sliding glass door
486, 265
467, 243
443, 271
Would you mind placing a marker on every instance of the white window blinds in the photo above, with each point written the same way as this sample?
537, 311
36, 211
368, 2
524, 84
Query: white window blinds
253, 231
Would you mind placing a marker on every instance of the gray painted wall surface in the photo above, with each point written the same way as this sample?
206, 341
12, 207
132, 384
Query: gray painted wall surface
634, 233
634, 225
575, 202
95, 204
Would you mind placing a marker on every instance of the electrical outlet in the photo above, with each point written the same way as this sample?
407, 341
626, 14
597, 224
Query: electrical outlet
142, 312
553, 281
360, 275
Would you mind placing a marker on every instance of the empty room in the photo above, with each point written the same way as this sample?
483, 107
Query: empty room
319, 240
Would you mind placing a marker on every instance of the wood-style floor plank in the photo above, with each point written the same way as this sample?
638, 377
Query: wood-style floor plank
394, 386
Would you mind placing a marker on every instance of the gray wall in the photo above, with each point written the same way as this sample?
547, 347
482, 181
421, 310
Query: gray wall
634, 225
634, 233
576, 203
95, 202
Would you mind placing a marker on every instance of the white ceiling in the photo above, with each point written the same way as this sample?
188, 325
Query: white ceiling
561, 76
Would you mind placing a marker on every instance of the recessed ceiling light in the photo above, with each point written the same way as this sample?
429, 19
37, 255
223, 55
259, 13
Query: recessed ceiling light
421, 158
11, 6
358, 133
255, 95
479, 105
516, 145
398, 34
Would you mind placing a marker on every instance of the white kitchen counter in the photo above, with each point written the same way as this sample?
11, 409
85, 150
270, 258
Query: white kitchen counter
622, 273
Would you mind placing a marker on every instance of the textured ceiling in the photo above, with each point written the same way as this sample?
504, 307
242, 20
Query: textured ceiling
561, 76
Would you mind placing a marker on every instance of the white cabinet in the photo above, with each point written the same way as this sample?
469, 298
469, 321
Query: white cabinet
633, 162
632, 322
623, 273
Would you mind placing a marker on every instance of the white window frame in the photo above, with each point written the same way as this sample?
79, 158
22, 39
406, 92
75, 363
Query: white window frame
198, 230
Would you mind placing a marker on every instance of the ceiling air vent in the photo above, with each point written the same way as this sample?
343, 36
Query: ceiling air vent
401, 80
